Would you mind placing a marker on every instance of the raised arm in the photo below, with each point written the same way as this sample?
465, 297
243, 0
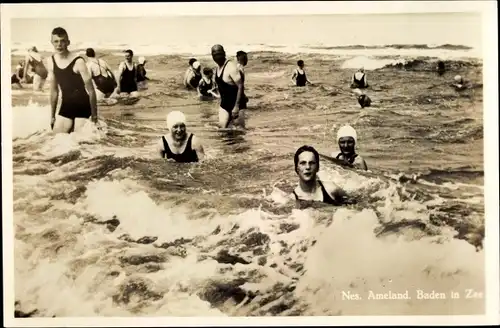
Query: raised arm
82, 69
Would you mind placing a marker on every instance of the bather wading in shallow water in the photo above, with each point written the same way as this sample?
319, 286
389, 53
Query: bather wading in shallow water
299, 77
310, 188
71, 75
359, 80
230, 85
178, 145
207, 89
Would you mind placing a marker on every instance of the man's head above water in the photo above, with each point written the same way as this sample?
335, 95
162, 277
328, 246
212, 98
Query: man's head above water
218, 54
306, 162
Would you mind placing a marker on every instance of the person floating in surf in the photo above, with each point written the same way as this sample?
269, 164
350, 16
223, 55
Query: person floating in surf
310, 187
459, 83
363, 99
177, 145
359, 79
229, 83
347, 138
127, 77
141, 74
71, 75
18, 74
192, 76
242, 59
34, 60
103, 77
299, 77
207, 89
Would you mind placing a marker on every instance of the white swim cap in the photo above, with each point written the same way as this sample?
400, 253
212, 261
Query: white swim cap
458, 78
347, 131
142, 60
174, 118
196, 65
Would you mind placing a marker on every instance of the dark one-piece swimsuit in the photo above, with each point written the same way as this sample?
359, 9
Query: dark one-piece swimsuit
75, 99
187, 156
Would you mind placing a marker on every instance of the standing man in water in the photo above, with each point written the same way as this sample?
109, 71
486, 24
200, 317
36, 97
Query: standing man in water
177, 146
230, 85
127, 76
310, 188
70, 73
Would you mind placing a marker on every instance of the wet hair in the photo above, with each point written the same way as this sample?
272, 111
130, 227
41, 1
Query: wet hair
207, 70
241, 53
300, 63
59, 31
191, 61
90, 52
130, 52
302, 150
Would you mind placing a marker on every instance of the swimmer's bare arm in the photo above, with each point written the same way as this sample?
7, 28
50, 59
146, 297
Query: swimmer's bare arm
294, 76
160, 149
337, 193
109, 70
121, 68
26, 65
198, 147
82, 69
234, 74
360, 163
53, 91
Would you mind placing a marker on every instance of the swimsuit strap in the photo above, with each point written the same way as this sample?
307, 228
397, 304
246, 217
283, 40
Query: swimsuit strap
296, 197
166, 148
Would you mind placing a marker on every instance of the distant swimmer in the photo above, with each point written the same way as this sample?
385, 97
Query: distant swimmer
459, 83
18, 74
192, 76
228, 79
347, 138
70, 73
141, 74
35, 60
242, 59
310, 187
359, 79
207, 89
102, 75
441, 69
177, 145
299, 77
127, 76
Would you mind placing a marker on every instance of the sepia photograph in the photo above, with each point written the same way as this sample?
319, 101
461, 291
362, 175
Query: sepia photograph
263, 161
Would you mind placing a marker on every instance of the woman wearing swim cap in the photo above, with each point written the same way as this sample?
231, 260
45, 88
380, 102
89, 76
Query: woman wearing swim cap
193, 76
346, 138
176, 145
141, 74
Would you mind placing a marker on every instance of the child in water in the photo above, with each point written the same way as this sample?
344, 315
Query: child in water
299, 75
207, 89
